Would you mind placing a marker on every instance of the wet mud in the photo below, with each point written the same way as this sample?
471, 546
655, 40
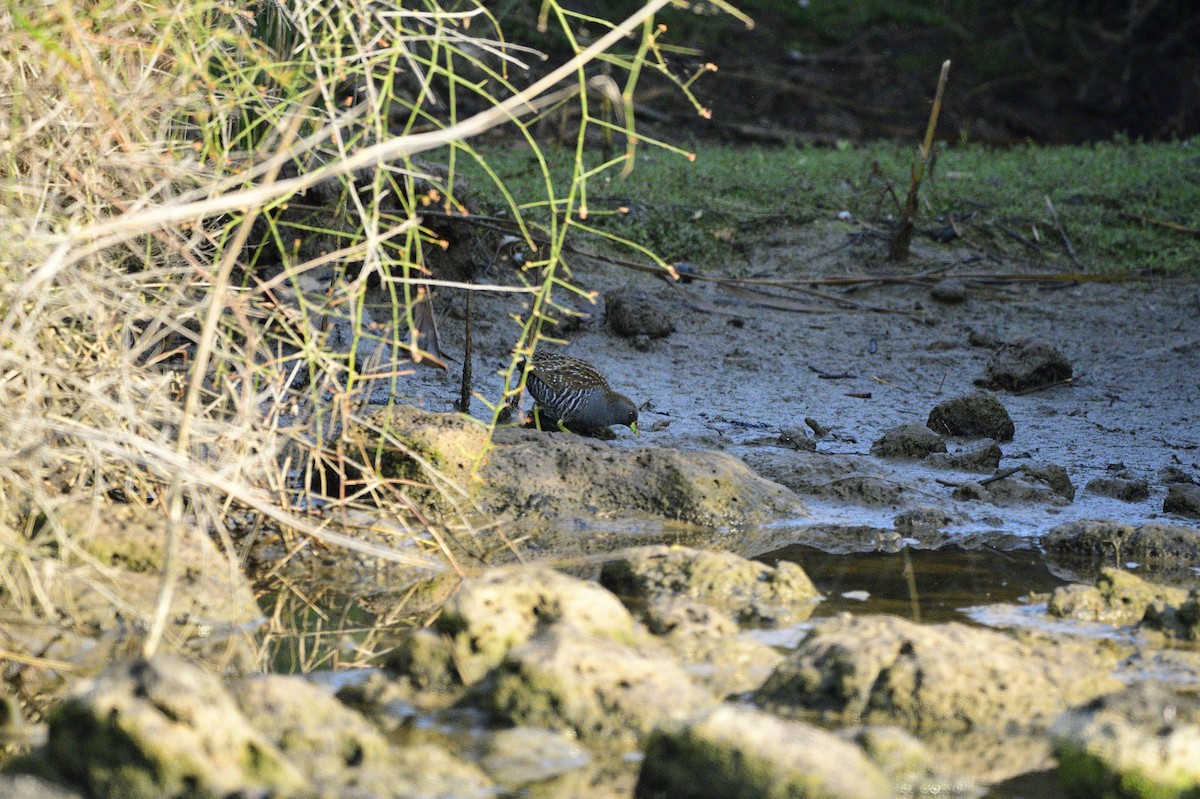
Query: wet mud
748, 380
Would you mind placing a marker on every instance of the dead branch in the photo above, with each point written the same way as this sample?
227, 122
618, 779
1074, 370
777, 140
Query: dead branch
898, 250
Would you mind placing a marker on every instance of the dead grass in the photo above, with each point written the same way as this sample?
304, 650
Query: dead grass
165, 330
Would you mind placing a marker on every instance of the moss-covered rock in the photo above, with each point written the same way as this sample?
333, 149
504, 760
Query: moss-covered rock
882, 669
1026, 365
341, 754
1085, 546
711, 644
520, 756
911, 441
738, 752
976, 415
911, 768
160, 728
1178, 620
1184, 499
749, 590
603, 691
503, 608
1142, 743
546, 476
1117, 598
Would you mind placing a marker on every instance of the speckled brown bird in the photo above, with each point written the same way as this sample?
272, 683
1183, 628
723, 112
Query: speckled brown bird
570, 391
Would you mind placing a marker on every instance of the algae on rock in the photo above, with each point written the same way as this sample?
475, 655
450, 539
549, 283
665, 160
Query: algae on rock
537, 476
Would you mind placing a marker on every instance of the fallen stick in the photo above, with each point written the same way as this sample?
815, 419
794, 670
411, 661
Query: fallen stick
1062, 231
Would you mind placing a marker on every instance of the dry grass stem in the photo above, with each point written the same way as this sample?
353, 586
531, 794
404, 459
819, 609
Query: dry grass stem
197, 202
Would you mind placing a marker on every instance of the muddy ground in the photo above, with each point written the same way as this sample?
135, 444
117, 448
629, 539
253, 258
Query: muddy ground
733, 374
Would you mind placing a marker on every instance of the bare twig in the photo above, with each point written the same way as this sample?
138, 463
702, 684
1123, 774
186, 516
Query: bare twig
898, 250
1062, 232
985, 481
464, 399
1033, 246
1001, 475
1162, 223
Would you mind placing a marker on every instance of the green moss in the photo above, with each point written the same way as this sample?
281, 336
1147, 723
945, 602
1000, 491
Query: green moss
673, 760
1085, 774
732, 199
530, 696
426, 658
139, 556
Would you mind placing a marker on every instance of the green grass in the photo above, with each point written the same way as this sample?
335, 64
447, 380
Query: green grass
695, 211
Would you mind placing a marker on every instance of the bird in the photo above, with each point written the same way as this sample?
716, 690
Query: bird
570, 391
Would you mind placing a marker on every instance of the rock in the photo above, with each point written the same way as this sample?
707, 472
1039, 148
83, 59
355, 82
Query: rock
27, 786
1184, 499
391, 704
984, 339
1170, 474
796, 438
727, 667
709, 643
738, 752
521, 756
922, 520
425, 660
1052, 475
1143, 742
840, 478
1179, 620
603, 691
544, 478
1088, 544
341, 754
668, 615
161, 728
975, 415
883, 669
910, 767
1117, 598
983, 458
971, 491
108, 571
633, 311
949, 291
1015, 489
425, 771
912, 441
1026, 365
1119, 488
504, 608
751, 591
316, 731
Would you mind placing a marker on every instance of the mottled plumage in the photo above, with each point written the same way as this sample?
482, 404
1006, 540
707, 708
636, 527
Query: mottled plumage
572, 392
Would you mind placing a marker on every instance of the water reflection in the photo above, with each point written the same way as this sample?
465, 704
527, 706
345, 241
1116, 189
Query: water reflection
918, 584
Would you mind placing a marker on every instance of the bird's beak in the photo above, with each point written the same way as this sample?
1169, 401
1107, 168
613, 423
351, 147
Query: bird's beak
633, 427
